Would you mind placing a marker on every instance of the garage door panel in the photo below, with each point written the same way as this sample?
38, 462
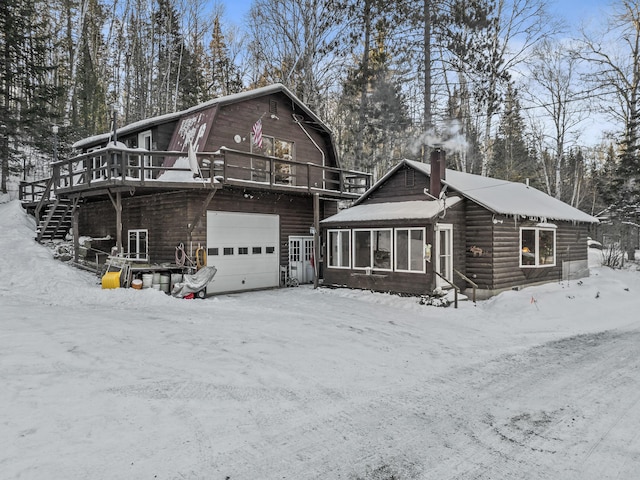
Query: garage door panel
257, 264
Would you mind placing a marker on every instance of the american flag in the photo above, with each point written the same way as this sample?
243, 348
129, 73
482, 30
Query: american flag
257, 133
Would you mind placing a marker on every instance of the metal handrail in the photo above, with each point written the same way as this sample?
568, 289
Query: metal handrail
467, 279
456, 289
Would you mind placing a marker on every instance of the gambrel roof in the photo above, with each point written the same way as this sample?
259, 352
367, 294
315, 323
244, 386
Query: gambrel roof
498, 196
225, 100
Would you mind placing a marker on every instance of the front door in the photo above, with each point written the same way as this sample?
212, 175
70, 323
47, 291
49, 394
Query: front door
301, 258
144, 141
444, 253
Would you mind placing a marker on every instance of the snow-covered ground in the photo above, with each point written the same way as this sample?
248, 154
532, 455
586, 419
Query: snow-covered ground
542, 383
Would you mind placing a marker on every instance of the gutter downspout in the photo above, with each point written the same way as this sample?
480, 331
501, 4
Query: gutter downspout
296, 119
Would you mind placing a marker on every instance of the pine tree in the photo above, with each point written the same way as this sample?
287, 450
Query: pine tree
381, 141
222, 75
511, 158
90, 100
27, 95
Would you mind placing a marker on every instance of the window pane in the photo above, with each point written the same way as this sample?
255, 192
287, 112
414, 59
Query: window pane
345, 246
545, 245
142, 244
132, 242
528, 247
402, 249
362, 245
333, 249
417, 247
382, 249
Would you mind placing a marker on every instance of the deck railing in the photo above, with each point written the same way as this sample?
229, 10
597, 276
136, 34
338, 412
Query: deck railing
114, 165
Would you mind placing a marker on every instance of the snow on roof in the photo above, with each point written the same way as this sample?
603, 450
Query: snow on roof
507, 198
236, 97
409, 210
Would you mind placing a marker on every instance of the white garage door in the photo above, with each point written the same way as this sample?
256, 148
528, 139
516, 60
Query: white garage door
244, 249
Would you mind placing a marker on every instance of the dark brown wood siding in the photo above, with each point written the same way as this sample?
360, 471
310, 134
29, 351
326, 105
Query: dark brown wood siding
401, 282
493, 250
405, 184
167, 217
296, 212
479, 249
239, 118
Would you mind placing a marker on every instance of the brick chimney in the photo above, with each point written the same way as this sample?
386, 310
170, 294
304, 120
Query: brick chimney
438, 168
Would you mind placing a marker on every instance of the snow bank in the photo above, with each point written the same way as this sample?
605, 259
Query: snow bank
300, 383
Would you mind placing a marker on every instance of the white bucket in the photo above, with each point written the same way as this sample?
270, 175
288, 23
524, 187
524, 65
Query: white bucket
156, 277
164, 279
155, 286
147, 280
175, 278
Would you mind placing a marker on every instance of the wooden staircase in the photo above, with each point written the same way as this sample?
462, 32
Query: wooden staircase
56, 220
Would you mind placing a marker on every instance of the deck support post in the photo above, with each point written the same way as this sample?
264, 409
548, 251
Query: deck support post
200, 214
117, 204
75, 229
316, 238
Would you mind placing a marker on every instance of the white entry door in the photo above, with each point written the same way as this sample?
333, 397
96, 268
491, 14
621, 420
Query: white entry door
144, 141
444, 253
300, 258
244, 249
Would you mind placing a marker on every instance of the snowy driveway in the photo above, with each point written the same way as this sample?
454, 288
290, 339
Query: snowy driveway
299, 384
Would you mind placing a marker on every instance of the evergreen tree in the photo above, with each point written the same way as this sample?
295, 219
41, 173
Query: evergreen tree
90, 103
511, 158
222, 75
27, 96
460, 133
382, 140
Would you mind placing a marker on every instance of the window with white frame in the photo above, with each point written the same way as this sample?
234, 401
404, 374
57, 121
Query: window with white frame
409, 250
339, 248
372, 249
537, 247
139, 244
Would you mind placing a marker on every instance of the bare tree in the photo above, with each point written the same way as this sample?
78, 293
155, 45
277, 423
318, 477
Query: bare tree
522, 24
289, 42
614, 54
552, 87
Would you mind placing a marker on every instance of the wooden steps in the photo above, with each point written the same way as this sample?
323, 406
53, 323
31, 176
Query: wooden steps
56, 221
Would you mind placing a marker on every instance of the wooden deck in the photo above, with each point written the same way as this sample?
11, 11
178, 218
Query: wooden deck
121, 169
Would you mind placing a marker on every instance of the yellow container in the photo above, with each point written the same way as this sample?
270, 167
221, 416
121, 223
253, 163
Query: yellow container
111, 280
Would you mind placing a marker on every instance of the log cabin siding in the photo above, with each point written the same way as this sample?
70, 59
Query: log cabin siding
498, 267
479, 249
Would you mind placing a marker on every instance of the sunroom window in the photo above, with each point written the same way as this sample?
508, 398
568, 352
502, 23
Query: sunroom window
372, 249
339, 248
537, 247
409, 250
